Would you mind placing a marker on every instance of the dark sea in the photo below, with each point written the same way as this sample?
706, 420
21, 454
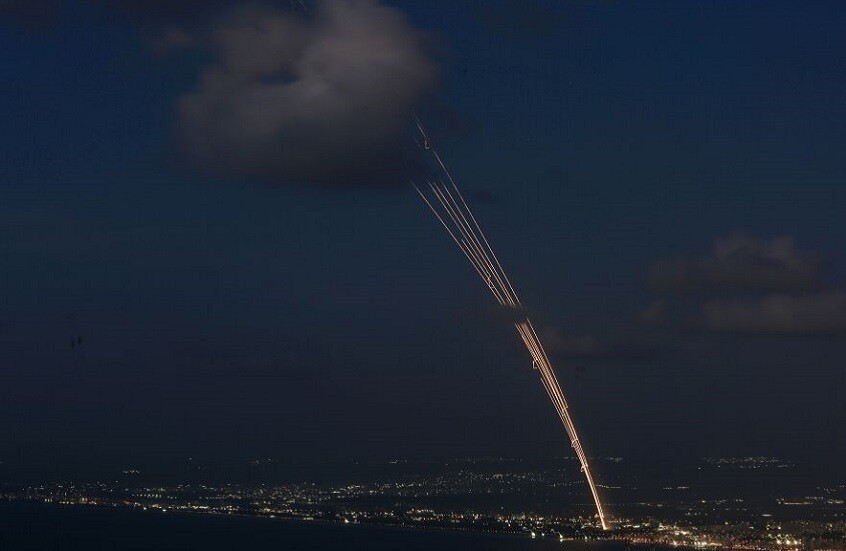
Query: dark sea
40, 527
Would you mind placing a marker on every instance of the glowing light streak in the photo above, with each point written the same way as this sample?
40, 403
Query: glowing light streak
461, 225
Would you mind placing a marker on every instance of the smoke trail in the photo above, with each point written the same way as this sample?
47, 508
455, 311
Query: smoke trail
454, 214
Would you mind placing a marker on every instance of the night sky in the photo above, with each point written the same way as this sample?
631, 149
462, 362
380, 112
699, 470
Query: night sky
663, 180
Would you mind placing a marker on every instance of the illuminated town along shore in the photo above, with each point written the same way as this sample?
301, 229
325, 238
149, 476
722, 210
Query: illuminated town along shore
467, 500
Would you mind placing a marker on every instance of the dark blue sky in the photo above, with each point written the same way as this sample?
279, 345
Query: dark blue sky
606, 141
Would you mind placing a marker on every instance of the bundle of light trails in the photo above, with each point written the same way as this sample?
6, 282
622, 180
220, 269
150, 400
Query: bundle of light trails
449, 206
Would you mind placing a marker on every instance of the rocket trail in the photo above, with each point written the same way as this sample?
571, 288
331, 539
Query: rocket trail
451, 209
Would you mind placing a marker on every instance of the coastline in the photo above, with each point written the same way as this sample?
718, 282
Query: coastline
45, 517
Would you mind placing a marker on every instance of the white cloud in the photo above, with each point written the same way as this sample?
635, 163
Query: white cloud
821, 313
740, 262
322, 99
